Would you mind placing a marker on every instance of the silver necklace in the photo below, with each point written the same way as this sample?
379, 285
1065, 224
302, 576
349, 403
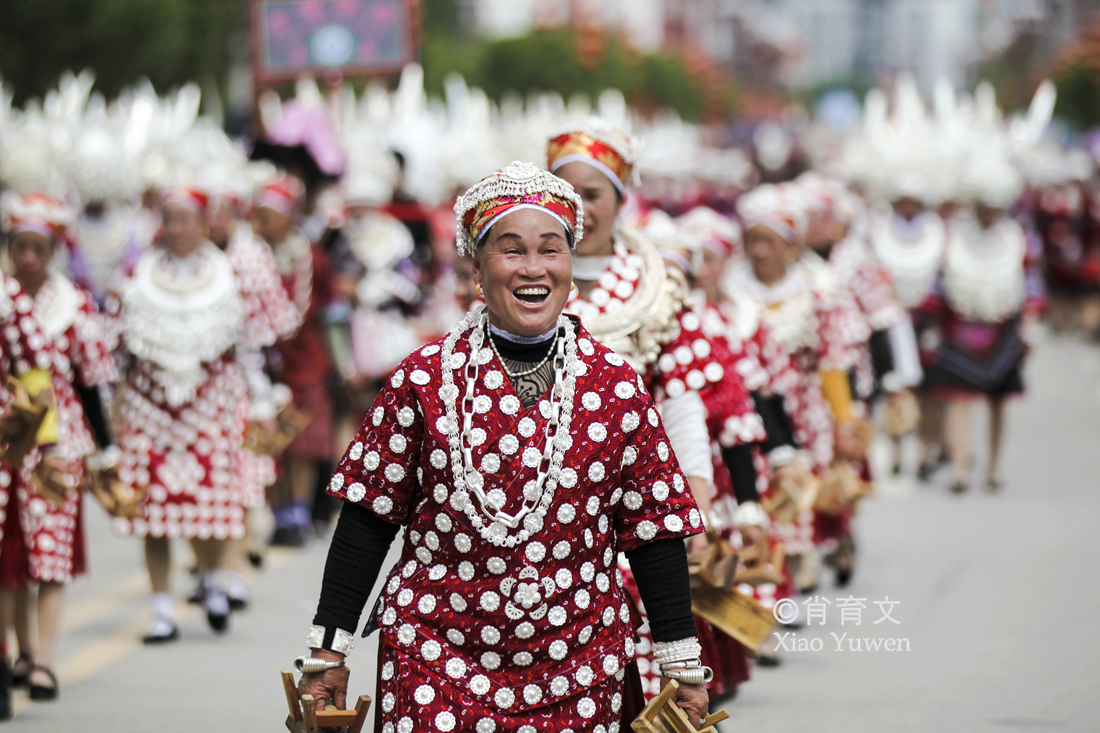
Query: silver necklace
527, 373
538, 493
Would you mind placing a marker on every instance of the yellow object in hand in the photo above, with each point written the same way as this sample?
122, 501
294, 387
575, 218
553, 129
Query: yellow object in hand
36, 381
838, 393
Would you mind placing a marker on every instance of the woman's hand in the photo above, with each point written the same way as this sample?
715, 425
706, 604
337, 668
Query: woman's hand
332, 684
692, 699
12, 426
847, 444
752, 535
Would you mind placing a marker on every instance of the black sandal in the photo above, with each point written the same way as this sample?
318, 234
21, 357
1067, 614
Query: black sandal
21, 670
41, 692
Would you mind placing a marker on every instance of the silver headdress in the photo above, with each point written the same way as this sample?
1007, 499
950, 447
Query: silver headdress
517, 185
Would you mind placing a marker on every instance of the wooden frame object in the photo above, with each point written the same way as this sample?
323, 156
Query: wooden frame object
662, 715
757, 567
117, 499
305, 718
289, 423
736, 614
714, 567
840, 489
787, 500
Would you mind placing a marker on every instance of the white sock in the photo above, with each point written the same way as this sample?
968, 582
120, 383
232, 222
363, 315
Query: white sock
235, 587
164, 618
164, 607
216, 602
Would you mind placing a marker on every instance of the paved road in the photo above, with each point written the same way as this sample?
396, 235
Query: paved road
998, 601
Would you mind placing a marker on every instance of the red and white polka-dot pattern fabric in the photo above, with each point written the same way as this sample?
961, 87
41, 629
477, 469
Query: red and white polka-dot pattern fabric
615, 287
731, 416
827, 350
61, 330
807, 321
270, 316
857, 270
543, 627
684, 362
414, 698
188, 458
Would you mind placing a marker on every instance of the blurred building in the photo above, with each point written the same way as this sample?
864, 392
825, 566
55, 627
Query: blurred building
806, 43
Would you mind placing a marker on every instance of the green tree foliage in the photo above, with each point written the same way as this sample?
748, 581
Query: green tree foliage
175, 41
564, 62
169, 41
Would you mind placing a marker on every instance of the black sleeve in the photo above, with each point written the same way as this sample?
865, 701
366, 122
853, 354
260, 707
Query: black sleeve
742, 470
661, 571
882, 354
94, 413
776, 421
359, 547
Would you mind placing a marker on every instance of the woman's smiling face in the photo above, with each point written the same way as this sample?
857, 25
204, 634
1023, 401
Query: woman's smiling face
602, 203
525, 269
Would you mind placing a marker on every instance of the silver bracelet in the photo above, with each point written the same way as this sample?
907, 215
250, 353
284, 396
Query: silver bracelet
693, 664
104, 459
695, 676
782, 456
750, 514
312, 665
682, 650
341, 641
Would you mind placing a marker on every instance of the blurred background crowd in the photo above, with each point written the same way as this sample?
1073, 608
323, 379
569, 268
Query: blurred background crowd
930, 165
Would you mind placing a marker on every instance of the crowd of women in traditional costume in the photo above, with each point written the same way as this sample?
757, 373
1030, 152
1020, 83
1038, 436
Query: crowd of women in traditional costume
601, 377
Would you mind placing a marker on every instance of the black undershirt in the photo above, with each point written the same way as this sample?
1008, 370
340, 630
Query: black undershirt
882, 354
95, 414
362, 539
739, 458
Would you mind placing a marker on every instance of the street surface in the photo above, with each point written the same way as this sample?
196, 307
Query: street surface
998, 600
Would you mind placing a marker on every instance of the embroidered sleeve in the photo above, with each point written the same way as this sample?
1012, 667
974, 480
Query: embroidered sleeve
875, 295
780, 375
269, 313
731, 415
686, 362
380, 469
836, 349
91, 356
656, 501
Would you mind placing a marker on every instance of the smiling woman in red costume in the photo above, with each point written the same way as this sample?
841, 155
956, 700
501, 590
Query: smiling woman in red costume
634, 304
51, 337
182, 406
521, 456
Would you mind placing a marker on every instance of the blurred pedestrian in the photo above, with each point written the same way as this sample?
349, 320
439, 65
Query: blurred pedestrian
52, 340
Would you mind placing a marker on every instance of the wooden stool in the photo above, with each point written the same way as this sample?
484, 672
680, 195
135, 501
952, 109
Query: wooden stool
266, 442
787, 499
756, 568
713, 567
118, 500
841, 489
662, 715
304, 717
